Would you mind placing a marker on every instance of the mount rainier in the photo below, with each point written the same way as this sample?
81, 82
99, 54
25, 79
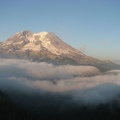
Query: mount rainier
47, 47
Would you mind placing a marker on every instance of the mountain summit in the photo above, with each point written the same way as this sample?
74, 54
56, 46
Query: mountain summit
45, 46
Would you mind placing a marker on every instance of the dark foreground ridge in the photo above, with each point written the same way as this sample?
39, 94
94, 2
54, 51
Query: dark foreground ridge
10, 111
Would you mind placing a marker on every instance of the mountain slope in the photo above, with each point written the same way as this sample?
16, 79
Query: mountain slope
45, 46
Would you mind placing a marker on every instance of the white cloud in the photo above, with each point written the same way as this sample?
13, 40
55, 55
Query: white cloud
27, 77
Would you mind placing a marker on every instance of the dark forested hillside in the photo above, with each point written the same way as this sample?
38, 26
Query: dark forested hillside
11, 111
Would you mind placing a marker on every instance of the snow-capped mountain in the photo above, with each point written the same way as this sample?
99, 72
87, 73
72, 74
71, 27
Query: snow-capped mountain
44, 46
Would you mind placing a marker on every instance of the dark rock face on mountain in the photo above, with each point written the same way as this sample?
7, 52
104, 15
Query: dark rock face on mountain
47, 47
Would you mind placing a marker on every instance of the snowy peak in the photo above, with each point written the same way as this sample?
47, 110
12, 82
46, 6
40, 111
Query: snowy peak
27, 40
19, 37
44, 45
40, 35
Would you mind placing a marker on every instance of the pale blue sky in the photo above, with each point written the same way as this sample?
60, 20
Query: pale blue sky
93, 25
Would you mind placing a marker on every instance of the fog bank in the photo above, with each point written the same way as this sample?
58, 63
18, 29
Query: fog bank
81, 84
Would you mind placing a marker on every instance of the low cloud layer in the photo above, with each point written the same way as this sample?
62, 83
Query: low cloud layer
82, 84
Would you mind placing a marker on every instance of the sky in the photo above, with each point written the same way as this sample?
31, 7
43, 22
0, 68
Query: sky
92, 26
